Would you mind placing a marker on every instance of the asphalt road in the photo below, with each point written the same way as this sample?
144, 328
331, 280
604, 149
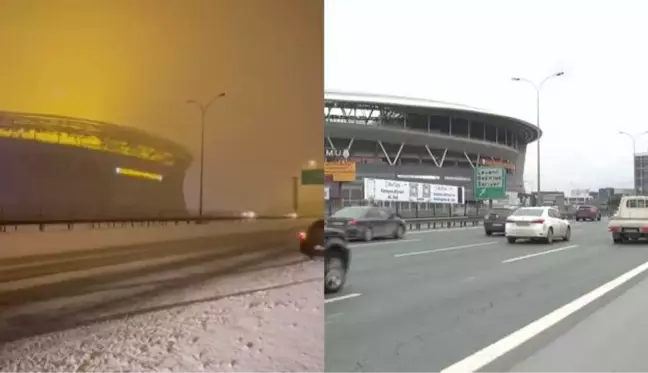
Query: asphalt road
459, 301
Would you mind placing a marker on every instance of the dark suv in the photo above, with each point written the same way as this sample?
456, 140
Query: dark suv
587, 212
495, 220
320, 240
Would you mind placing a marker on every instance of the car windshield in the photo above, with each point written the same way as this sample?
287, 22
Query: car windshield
350, 212
528, 212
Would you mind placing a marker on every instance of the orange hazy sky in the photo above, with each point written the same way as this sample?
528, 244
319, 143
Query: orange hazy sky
136, 62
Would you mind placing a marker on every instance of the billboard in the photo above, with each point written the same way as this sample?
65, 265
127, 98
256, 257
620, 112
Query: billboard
341, 171
406, 191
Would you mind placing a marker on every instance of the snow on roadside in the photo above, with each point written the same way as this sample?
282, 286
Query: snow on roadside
268, 320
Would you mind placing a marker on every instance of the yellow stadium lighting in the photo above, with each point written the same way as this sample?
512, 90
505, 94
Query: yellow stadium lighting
136, 173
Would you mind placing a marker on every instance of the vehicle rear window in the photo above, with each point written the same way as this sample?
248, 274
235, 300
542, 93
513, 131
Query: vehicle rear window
528, 212
636, 203
584, 207
351, 212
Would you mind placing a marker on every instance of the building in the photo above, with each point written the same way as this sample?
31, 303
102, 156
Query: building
421, 140
641, 172
57, 167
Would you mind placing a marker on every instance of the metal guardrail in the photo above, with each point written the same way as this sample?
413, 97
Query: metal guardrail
70, 224
443, 222
421, 223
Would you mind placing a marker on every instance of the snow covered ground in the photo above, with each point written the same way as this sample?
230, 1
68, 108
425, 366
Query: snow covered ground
271, 319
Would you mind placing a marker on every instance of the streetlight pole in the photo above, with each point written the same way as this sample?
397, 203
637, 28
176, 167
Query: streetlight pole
634, 159
203, 114
537, 88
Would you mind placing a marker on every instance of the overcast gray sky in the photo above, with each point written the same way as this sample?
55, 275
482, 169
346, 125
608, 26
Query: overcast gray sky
466, 51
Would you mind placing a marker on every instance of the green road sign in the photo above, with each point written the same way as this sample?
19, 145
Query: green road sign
312, 177
490, 183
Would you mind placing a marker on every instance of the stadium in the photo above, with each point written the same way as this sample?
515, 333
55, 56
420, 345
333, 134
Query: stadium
56, 167
421, 141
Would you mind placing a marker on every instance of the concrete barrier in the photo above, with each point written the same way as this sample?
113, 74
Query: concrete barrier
21, 244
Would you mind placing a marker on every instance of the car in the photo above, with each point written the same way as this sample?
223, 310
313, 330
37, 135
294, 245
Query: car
587, 212
630, 222
495, 220
537, 223
368, 222
331, 243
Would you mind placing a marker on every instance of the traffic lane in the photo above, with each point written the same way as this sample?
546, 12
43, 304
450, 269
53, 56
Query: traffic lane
420, 322
444, 256
420, 239
612, 339
370, 258
459, 256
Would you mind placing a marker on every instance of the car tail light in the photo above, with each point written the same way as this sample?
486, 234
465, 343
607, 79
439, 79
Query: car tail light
537, 221
352, 222
302, 236
644, 229
613, 229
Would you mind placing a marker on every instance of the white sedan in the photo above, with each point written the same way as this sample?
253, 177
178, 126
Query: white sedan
533, 223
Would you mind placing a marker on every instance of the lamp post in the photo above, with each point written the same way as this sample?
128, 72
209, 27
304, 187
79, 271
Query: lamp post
634, 159
537, 88
203, 113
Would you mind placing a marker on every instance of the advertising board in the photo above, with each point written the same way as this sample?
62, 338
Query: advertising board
341, 171
405, 191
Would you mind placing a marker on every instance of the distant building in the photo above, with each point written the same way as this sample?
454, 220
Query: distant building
641, 172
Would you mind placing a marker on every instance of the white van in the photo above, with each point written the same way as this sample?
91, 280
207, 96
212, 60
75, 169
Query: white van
630, 222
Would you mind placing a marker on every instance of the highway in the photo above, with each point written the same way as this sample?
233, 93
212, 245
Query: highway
459, 301
57, 291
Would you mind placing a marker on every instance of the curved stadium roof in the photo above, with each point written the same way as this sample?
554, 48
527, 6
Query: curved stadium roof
530, 131
93, 135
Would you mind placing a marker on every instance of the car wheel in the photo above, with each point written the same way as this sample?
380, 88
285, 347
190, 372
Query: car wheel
550, 236
334, 274
567, 234
511, 239
617, 240
577, 219
400, 232
598, 219
489, 233
368, 235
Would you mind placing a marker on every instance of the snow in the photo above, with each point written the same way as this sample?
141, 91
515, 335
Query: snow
261, 321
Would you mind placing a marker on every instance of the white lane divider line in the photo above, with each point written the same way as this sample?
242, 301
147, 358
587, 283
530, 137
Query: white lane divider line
446, 249
392, 242
511, 260
498, 349
342, 297
440, 230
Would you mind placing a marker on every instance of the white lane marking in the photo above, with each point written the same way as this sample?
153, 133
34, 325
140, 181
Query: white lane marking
490, 353
538, 254
446, 249
439, 230
393, 242
341, 297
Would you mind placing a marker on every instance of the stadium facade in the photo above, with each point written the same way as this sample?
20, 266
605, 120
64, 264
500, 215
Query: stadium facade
56, 167
421, 140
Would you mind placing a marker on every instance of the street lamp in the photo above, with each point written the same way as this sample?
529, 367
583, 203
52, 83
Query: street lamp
634, 158
537, 88
203, 113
